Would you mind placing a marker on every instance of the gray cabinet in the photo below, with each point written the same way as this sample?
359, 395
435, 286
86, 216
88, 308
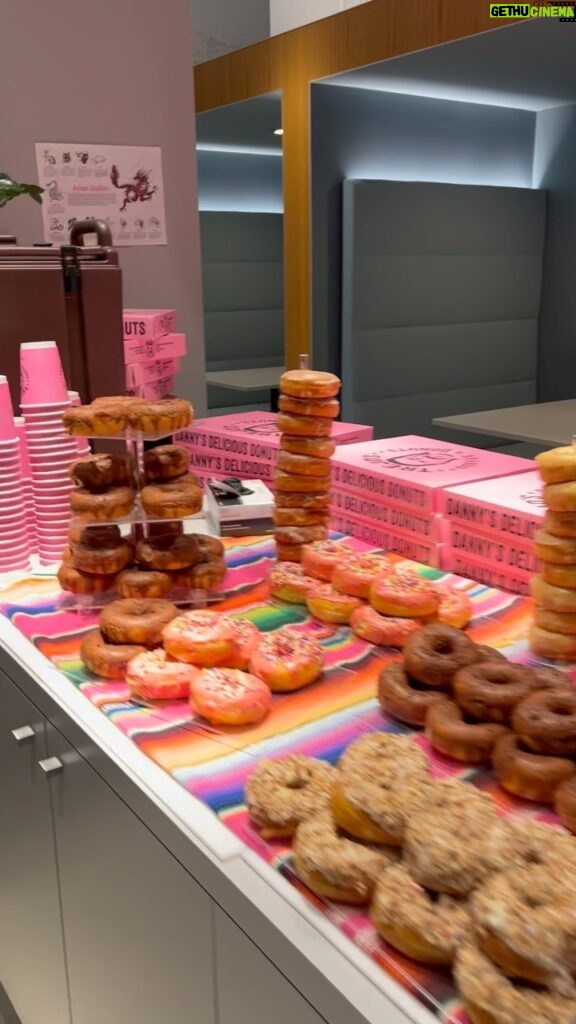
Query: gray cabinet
32, 966
138, 927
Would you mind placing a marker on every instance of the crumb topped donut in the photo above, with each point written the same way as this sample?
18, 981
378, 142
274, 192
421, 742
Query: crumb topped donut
281, 794
335, 868
411, 920
435, 653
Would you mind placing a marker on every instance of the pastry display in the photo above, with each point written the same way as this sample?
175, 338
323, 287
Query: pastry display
531, 776
154, 675
403, 594
435, 653
332, 866
489, 691
134, 621
227, 696
382, 630
173, 499
449, 732
99, 472
247, 639
280, 795
319, 560
113, 503
289, 583
403, 698
356, 574
111, 417
200, 638
165, 462
287, 661
167, 553
308, 405
105, 560
329, 605
105, 659
73, 581
140, 584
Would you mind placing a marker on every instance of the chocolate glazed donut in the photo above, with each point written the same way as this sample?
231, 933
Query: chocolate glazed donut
545, 722
490, 691
435, 653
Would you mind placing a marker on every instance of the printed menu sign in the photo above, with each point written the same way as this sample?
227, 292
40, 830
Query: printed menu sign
121, 185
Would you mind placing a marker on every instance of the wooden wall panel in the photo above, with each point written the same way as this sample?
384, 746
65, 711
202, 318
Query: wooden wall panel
372, 32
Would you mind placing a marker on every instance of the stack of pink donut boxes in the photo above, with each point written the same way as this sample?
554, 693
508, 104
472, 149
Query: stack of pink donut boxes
152, 352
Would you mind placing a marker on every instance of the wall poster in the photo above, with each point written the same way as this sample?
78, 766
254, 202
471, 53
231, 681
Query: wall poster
121, 185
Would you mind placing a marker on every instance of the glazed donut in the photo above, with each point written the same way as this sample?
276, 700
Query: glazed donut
556, 646
491, 998
317, 501
97, 472
404, 698
204, 576
104, 659
140, 584
303, 426
552, 598
403, 594
287, 661
93, 534
524, 921
558, 550
289, 552
95, 421
551, 679
531, 776
247, 637
545, 722
112, 504
448, 732
174, 499
565, 803
289, 583
454, 608
435, 653
489, 691
302, 465
356, 574
227, 696
300, 517
560, 524
209, 548
165, 462
563, 576
316, 447
411, 920
132, 621
153, 675
558, 465
76, 582
320, 559
200, 638
560, 497
311, 384
300, 534
328, 605
280, 795
485, 653
160, 418
104, 561
555, 622
382, 630
456, 840
166, 553
334, 868
382, 780
291, 483
328, 408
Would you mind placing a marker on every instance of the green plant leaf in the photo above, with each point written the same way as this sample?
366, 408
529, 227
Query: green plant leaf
10, 189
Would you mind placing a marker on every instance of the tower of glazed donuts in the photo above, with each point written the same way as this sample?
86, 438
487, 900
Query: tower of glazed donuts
553, 633
308, 405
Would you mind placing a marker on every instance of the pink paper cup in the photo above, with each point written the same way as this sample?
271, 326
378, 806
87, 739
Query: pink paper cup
22, 565
43, 463
7, 427
41, 374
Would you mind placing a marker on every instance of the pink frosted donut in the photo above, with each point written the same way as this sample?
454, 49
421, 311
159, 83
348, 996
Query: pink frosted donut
154, 676
382, 630
328, 605
454, 608
247, 638
321, 558
356, 575
287, 660
201, 638
288, 582
227, 696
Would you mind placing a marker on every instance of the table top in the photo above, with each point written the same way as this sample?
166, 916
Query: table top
546, 423
265, 377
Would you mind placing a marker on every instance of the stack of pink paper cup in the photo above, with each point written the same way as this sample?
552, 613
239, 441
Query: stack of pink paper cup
50, 449
14, 542
82, 442
26, 475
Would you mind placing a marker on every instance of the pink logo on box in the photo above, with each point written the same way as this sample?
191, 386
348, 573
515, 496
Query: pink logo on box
425, 460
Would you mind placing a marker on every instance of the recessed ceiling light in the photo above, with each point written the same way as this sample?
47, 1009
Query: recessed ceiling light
278, 131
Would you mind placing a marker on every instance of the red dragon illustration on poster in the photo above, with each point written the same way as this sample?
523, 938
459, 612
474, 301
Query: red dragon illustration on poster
139, 190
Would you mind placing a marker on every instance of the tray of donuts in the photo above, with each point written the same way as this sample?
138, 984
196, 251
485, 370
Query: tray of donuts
553, 634
308, 404
114, 416
221, 664
445, 879
478, 708
382, 601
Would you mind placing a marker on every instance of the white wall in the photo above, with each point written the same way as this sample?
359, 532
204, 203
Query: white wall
288, 14
221, 26
113, 72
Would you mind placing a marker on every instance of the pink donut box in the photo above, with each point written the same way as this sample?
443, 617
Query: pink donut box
509, 509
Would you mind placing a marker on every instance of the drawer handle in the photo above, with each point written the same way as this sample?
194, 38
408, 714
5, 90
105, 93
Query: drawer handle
51, 765
25, 733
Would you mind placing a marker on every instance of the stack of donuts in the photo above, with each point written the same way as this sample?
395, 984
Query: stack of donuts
447, 880
382, 602
112, 416
308, 404
553, 634
171, 491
